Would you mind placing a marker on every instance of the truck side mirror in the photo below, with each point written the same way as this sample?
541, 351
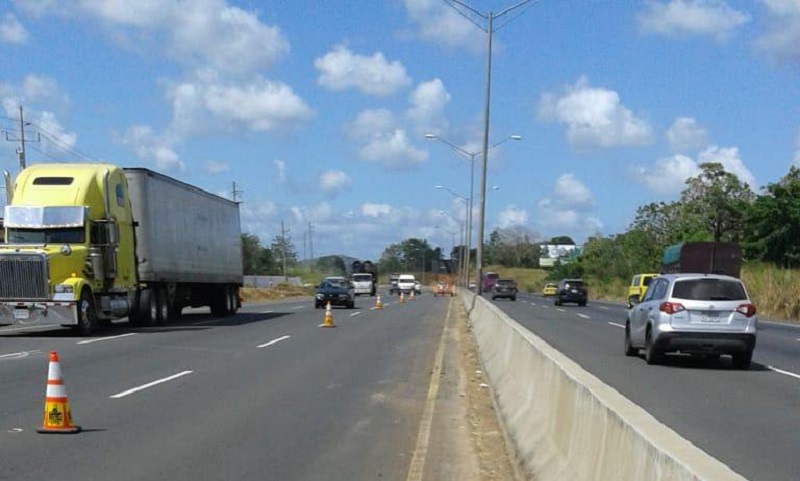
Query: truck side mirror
113, 232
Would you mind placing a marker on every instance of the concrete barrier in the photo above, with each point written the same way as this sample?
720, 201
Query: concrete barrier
566, 424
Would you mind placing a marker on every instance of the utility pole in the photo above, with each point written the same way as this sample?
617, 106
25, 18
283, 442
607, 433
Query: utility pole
21, 150
235, 193
311, 244
489, 29
283, 247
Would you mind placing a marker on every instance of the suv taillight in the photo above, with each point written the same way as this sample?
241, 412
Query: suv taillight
671, 307
748, 310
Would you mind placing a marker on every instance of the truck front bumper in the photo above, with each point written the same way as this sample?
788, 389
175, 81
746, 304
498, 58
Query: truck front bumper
42, 313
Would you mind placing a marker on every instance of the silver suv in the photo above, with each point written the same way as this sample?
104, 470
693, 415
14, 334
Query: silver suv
698, 314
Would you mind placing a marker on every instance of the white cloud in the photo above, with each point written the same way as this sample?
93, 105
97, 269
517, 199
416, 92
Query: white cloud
427, 104
685, 135
341, 69
729, 158
208, 33
334, 181
393, 150
376, 210
594, 117
681, 18
259, 105
151, 147
669, 174
783, 33
214, 167
280, 170
511, 216
439, 23
11, 30
571, 191
371, 122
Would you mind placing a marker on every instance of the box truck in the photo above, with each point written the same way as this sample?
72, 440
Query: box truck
703, 257
89, 243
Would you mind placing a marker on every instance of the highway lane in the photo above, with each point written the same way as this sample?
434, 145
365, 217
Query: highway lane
746, 419
267, 394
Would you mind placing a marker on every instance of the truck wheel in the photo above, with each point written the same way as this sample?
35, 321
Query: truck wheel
87, 316
162, 306
148, 309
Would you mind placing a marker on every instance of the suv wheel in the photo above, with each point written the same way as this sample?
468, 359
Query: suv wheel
629, 349
651, 353
742, 360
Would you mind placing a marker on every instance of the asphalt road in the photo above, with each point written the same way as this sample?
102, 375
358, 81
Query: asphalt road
747, 419
267, 394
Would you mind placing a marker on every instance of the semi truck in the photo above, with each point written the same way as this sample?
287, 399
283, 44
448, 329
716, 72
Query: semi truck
86, 244
703, 257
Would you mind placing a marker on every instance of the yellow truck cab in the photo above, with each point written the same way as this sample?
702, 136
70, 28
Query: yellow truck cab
638, 287
88, 243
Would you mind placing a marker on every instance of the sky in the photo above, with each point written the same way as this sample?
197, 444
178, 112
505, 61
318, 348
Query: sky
316, 113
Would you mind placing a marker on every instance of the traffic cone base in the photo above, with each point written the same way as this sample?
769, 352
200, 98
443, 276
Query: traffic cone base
411, 296
402, 298
328, 321
378, 303
57, 417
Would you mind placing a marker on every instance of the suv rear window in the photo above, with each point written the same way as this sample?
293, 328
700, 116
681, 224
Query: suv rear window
506, 283
709, 290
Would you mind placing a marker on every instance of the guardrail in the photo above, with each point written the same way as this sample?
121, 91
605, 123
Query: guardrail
565, 423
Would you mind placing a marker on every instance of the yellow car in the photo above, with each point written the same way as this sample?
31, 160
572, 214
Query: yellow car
638, 287
549, 289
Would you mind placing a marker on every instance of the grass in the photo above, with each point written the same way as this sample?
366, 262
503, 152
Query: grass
774, 291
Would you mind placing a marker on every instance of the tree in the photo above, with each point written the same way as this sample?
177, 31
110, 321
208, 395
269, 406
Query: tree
562, 240
256, 260
283, 252
718, 200
513, 247
773, 223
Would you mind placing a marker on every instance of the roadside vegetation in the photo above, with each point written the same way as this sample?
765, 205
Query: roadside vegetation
713, 206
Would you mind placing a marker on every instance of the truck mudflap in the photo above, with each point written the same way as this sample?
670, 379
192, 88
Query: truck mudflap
39, 313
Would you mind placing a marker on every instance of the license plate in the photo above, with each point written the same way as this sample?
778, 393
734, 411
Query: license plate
710, 318
574, 291
21, 314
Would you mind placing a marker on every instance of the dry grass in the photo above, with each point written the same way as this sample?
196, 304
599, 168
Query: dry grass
280, 291
528, 280
774, 291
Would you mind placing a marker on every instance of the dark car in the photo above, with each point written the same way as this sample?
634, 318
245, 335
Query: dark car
571, 290
505, 288
339, 292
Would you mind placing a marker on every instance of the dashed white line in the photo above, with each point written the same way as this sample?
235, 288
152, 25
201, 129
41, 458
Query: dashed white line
604, 307
108, 338
560, 310
19, 354
355, 314
299, 307
583, 316
785, 373
617, 325
150, 384
274, 341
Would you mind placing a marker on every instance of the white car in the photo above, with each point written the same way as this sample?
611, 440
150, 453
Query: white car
406, 283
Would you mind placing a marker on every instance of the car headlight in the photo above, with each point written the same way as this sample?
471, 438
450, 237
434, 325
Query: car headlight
64, 289
320, 296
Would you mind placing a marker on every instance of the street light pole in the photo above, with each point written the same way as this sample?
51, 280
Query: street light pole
490, 17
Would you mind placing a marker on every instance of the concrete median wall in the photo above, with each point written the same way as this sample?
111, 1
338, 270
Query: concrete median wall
565, 423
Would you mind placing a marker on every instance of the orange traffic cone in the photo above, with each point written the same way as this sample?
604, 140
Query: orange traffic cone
411, 295
57, 416
378, 303
328, 322
402, 298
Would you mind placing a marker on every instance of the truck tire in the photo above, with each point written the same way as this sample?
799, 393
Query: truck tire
231, 300
162, 306
87, 315
219, 302
148, 307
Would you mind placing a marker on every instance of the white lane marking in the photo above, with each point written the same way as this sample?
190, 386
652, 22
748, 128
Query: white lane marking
545, 307
604, 307
785, 373
355, 314
150, 384
583, 316
274, 341
108, 338
617, 325
268, 312
560, 310
299, 307
417, 466
533, 303
19, 354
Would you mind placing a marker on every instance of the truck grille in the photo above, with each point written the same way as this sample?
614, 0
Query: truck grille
23, 277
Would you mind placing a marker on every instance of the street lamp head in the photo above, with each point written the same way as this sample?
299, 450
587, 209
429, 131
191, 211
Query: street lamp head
495, 187
437, 186
515, 137
431, 136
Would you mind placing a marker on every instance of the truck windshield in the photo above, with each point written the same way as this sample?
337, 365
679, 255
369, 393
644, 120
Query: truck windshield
69, 235
362, 277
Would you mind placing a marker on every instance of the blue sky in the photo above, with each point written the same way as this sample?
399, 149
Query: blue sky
318, 110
